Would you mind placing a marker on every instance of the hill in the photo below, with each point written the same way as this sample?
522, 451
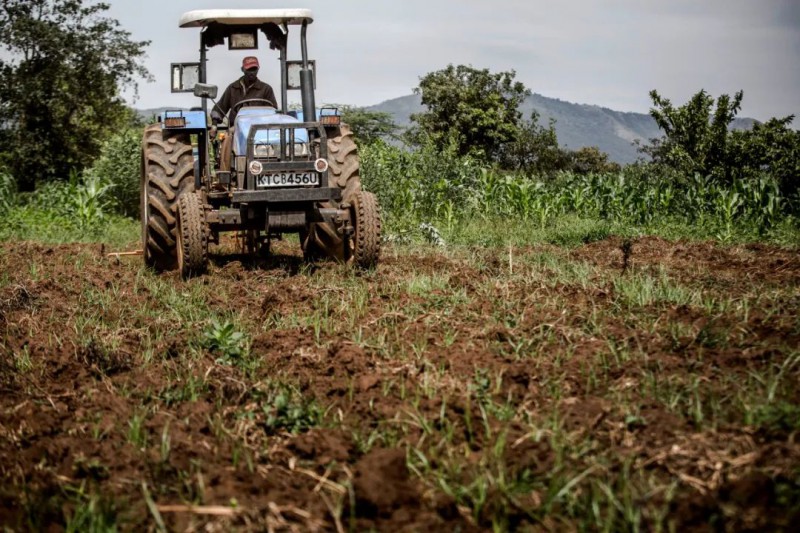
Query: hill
577, 125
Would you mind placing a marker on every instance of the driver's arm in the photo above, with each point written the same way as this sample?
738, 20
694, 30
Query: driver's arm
224, 104
270, 95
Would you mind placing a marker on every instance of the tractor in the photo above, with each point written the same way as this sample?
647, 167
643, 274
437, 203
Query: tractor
290, 171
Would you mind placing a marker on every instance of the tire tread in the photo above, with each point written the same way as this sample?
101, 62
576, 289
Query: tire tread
167, 173
193, 256
367, 237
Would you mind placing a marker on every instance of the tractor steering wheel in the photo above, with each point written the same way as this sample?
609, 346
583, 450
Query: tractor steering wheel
250, 100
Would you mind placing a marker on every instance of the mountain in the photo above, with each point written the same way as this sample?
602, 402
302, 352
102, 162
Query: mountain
577, 125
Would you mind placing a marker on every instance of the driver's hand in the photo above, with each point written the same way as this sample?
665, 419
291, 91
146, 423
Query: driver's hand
216, 117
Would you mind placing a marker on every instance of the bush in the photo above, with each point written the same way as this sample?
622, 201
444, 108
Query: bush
118, 166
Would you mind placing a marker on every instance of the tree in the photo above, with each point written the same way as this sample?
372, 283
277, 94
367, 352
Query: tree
480, 110
772, 147
590, 160
368, 126
62, 69
534, 149
695, 134
698, 139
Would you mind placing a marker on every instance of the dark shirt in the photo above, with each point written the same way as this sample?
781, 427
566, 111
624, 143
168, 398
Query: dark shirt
237, 91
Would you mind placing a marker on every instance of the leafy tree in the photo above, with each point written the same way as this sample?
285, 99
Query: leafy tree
590, 160
698, 140
695, 134
772, 147
477, 108
534, 149
368, 126
62, 67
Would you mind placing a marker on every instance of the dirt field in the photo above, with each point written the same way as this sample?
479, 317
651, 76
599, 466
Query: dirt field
623, 385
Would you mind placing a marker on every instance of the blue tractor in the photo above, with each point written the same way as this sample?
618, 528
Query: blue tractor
289, 171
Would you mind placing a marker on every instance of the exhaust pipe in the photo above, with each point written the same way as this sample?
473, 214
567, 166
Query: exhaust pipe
307, 80
307, 94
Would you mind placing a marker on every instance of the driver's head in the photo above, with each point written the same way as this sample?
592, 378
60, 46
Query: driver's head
250, 68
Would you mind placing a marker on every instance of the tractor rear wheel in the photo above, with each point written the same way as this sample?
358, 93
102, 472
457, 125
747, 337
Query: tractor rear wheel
321, 239
343, 162
167, 173
364, 246
192, 242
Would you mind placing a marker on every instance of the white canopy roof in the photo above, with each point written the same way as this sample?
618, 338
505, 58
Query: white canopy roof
204, 17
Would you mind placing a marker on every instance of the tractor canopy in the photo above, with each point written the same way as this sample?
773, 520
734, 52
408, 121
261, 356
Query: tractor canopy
239, 26
244, 17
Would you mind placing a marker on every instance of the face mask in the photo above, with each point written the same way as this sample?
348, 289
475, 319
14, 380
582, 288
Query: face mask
250, 75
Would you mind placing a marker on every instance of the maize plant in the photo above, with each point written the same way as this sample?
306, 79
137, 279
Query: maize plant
423, 187
728, 203
90, 202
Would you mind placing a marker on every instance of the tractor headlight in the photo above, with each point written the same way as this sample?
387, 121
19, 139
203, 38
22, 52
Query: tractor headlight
320, 165
255, 168
264, 150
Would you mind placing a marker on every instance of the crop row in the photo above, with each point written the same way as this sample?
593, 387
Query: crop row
435, 186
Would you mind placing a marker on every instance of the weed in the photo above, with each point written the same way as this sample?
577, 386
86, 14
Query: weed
89, 512
284, 408
22, 361
184, 389
779, 417
641, 290
137, 432
224, 339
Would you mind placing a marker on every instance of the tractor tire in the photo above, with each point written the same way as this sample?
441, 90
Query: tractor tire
343, 162
321, 239
167, 173
192, 242
364, 247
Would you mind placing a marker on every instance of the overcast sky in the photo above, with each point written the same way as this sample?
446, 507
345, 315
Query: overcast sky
605, 52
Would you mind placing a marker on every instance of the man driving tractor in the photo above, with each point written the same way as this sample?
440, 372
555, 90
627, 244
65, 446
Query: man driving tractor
248, 87
285, 171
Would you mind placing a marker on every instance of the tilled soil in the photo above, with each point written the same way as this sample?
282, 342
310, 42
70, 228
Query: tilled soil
641, 383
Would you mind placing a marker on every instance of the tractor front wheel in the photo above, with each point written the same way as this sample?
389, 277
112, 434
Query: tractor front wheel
363, 248
192, 236
167, 173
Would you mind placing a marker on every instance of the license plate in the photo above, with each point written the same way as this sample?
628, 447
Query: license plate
288, 179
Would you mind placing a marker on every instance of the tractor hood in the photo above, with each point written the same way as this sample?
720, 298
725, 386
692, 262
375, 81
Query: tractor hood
254, 116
